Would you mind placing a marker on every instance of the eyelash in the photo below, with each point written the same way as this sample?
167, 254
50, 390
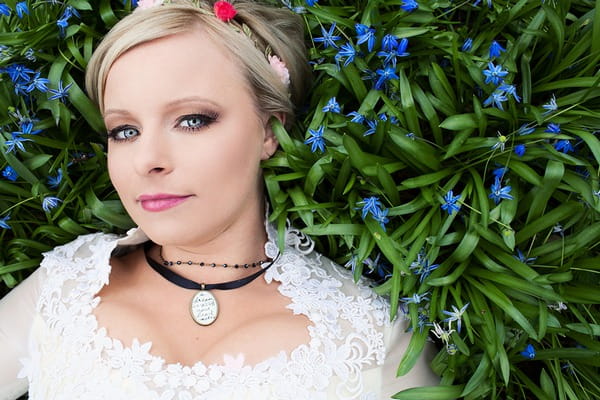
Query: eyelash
204, 120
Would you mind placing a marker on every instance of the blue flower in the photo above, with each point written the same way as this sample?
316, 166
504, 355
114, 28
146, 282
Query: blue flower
62, 24
416, 298
494, 74
50, 202
381, 217
552, 128
3, 223
372, 123
467, 45
365, 34
30, 55
311, 3
510, 90
525, 260
26, 126
498, 192
21, 9
352, 262
356, 117
10, 173
60, 93
4, 9
394, 52
328, 39
18, 73
550, 106
348, 51
496, 49
488, 2
496, 99
385, 74
455, 315
54, 181
529, 352
16, 143
38, 83
525, 130
409, 5
332, 106
450, 202
422, 268
389, 42
501, 143
316, 140
372, 264
564, 146
370, 205
500, 172
520, 150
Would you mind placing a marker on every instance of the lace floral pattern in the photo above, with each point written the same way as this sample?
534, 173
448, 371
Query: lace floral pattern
75, 358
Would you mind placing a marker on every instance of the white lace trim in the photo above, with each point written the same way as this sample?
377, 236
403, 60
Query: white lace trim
344, 334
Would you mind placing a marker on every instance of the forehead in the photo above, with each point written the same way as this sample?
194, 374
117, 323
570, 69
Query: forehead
181, 65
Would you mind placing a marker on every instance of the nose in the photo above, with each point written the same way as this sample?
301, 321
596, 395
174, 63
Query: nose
152, 153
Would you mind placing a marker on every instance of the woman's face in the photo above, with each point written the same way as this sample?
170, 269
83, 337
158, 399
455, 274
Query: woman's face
185, 139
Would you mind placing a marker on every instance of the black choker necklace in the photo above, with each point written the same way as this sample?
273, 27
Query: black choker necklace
204, 307
202, 263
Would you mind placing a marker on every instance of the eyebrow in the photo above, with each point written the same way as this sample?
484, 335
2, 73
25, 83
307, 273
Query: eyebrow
170, 105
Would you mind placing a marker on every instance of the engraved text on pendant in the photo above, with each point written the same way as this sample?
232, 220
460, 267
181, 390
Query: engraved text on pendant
204, 308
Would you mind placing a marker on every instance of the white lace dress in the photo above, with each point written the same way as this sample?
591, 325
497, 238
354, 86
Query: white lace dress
51, 343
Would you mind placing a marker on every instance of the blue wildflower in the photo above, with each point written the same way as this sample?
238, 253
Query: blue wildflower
525, 260
529, 352
552, 128
19, 73
394, 52
409, 5
10, 173
496, 99
3, 223
416, 298
365, 34
15, 143
488, 2
26, 126
496, 49
4, 9
500, 172
422, 268
455, 315
381, 217
50, 202
372, 123
38, 83
332, 106
21, 9
450, 202
63, 24
346, 51
501, 143
316, 140
510, 90
54, 181
351, 263
550, 106
525, 130
328, 38
389, 42
356, 117
467, 45
61, 92
564, 145
370, 205
494, 74
311, 3
372, 264
498, 192
385, 74
30, 55
520, 150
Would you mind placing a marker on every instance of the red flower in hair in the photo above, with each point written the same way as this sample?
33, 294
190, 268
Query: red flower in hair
224, 10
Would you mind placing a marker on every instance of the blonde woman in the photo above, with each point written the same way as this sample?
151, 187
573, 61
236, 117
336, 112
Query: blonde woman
198, 302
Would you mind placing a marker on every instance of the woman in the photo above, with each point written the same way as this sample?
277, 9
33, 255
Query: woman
198, 302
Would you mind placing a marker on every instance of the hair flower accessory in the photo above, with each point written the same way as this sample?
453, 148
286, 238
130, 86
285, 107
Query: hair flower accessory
224, 10
144, 4
280, 69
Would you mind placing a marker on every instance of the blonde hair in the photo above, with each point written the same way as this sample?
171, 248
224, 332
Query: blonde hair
256, 31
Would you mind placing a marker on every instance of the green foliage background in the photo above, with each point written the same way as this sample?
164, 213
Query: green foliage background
444, 136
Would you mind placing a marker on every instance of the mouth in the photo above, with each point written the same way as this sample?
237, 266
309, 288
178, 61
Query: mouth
161, 202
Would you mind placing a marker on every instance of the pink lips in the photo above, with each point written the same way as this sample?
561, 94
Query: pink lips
161, 201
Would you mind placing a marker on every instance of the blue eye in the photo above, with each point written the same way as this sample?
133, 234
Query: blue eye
195, 122
124, 132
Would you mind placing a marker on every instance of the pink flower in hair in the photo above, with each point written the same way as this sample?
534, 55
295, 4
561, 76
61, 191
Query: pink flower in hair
143, 4
224, 10
281, 69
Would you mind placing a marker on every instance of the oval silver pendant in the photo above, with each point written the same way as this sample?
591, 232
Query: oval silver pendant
204, 308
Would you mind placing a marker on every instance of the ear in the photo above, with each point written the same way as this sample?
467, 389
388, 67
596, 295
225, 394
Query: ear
270, 142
